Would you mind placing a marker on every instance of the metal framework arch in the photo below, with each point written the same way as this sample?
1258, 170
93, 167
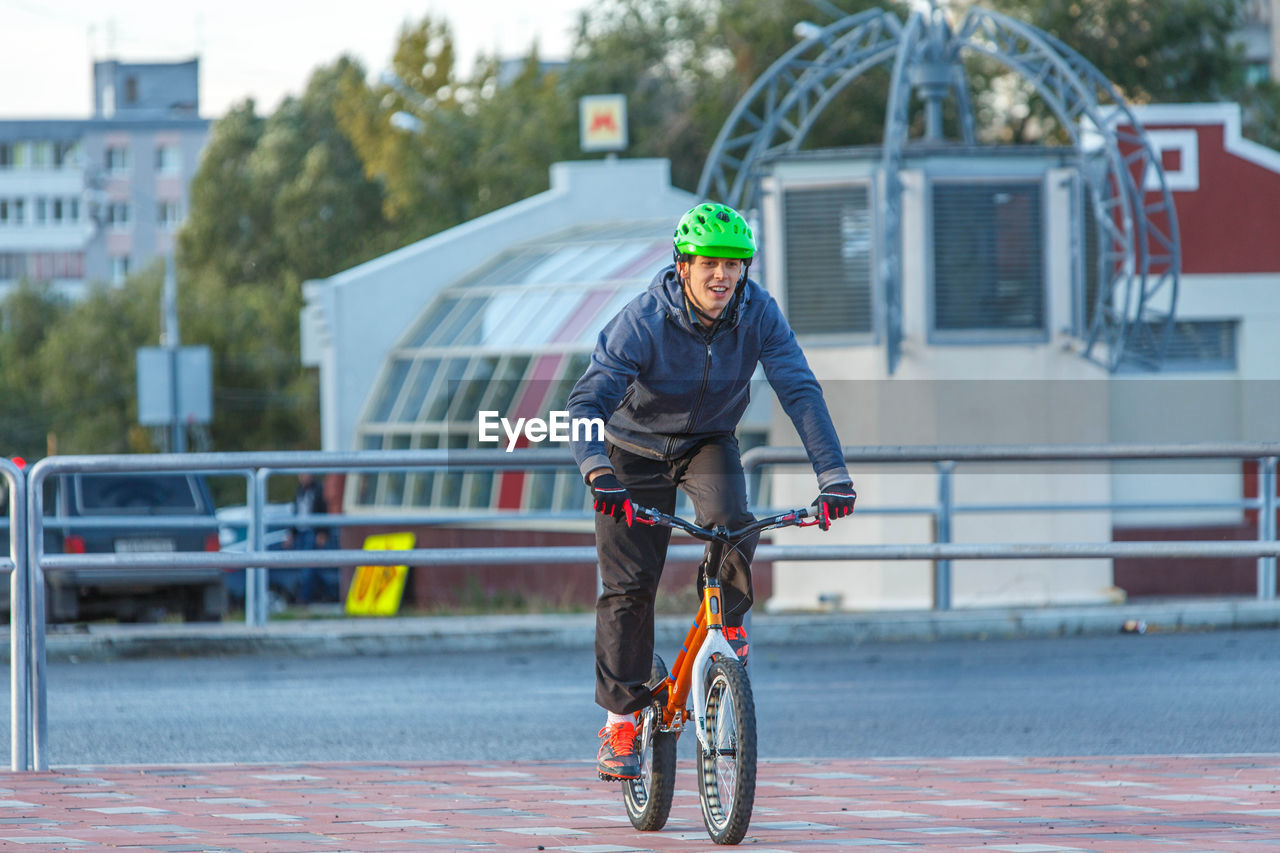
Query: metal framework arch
784, 100
1138, 259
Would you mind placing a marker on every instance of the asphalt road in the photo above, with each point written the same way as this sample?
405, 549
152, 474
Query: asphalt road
1212, 692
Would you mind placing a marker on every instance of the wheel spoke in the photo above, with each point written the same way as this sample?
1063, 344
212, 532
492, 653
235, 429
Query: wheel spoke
726, 748
648, 798
727, 763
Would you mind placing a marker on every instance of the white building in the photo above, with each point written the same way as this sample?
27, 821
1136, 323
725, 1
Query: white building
91, 200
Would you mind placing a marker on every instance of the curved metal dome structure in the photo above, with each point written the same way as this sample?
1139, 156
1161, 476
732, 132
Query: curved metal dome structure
1138, 257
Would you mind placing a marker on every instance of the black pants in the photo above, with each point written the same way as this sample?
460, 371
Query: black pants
631, 559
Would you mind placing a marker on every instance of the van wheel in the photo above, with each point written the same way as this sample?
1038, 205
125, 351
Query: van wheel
60, 603
205, 604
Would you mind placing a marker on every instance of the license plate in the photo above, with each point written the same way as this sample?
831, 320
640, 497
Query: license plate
143, 546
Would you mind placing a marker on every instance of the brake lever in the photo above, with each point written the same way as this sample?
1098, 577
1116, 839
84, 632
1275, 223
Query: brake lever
644, 515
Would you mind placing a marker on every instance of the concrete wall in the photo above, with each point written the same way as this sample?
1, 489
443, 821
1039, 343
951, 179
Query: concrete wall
1240, 405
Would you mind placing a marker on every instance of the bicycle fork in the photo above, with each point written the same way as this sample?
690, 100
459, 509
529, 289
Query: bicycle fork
705, 639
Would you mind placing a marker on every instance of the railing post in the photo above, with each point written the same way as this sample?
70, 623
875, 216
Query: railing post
19, 624
38, 689
255, 580
1267, 526
942, 535
250, 589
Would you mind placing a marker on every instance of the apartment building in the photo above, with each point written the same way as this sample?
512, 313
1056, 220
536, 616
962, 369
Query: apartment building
91, 200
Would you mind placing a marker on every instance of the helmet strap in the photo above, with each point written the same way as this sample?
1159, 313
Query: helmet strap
698, 312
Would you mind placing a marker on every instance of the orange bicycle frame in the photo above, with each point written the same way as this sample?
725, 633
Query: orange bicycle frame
680, 681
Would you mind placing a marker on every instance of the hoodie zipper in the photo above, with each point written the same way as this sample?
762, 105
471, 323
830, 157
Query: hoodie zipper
697, 406
706, 375
702, 392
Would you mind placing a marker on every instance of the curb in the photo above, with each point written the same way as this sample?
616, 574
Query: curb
537, 632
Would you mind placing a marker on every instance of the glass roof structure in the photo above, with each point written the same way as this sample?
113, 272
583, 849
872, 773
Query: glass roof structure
511, 337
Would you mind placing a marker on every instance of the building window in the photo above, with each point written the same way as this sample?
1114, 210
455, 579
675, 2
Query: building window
42, 210
42, 155
73, 210
118, 214
48, 266
828, 259
65, 155
12, 265
117, 159
168, 159
6, 155
1193, 345
119, 268
12, 211
168, 214
988, 261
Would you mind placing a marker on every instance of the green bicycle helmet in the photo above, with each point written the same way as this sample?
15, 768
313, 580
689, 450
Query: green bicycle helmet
714, 230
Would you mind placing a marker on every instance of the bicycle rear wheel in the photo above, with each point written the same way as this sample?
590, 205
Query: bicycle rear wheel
727, 767
648, 798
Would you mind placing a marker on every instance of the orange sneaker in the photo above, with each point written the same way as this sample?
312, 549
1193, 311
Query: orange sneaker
617, 759
737, 637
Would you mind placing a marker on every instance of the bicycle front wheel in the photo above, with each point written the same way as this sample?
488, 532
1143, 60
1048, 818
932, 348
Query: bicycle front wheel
727, 766
648, 798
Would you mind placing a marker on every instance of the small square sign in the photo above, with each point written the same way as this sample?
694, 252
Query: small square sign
602, 121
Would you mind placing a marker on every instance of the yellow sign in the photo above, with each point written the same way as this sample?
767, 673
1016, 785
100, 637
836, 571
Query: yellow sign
377, 590
602, 122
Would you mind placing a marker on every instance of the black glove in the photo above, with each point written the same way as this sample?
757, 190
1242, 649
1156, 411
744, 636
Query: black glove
835, 501
611, 498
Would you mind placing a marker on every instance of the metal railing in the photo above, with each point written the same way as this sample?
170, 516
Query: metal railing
29, 562
19, 623
946, 458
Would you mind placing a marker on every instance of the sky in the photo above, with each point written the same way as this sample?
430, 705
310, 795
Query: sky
264, 49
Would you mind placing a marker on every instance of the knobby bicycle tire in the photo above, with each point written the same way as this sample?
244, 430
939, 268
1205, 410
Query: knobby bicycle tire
648, 799
727, 766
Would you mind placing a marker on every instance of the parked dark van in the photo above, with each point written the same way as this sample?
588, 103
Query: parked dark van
120, 507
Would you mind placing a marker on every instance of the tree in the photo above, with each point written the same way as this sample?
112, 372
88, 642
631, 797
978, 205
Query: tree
1180, 51
262, 397
643, 50
87, 367
277, 200
521, 126
1175, 51
684, 65
225, 232
285, 198
412, 134
27, 315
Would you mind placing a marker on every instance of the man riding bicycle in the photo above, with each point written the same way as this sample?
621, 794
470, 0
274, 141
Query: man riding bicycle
670, 380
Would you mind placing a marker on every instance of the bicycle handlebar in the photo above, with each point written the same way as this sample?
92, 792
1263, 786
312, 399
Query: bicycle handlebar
790, 518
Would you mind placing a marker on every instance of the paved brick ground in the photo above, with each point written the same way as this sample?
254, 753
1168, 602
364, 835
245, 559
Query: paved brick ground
1188, 804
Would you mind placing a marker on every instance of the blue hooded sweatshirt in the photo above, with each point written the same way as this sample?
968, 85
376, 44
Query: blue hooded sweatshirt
661, 383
